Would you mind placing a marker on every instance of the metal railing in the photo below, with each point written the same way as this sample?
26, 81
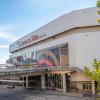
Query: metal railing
31, 70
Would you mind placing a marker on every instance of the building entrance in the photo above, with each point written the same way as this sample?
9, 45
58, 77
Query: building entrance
33, 81
67, 83
53, 81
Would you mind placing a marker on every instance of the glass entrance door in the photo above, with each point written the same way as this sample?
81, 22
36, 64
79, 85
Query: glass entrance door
53, 81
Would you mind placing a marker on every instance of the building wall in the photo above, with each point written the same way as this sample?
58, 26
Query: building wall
83, 46
79, 76
77, 18
79, 30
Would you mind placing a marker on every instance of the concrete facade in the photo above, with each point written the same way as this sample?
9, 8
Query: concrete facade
79, 30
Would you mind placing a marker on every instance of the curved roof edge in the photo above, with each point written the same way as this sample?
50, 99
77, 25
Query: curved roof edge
77, 18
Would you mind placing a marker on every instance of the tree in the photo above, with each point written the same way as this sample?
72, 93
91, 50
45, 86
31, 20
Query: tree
98, 6
94, 73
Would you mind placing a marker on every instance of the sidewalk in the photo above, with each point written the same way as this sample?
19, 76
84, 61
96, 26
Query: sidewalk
58, 93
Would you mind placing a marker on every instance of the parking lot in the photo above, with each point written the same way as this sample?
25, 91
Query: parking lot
24, 94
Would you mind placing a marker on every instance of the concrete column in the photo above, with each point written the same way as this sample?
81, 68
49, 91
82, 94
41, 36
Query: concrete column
43, 81
93, 87
27, 82
64, 83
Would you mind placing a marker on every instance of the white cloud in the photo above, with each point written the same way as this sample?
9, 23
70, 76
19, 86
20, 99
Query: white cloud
4, 55
6, 28
7, 36
2, 61
4, 46
6, 32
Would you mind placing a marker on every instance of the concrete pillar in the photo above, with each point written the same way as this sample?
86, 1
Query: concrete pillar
64, 83
27, 82
43, 81
93, 87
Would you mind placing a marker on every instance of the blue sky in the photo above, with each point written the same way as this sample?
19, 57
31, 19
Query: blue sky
20, 17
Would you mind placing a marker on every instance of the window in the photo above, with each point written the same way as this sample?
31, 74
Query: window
87, 86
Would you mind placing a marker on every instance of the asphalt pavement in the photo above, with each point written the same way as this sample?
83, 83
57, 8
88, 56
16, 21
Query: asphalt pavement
24, 94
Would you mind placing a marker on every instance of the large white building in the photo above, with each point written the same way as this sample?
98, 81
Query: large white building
70, 41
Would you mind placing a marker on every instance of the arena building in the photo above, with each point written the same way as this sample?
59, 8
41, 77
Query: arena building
64, 45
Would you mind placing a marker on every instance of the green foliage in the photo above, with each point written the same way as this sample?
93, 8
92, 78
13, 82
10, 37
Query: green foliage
98, 12
98, 3
98, 6
94, 73
98, 20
